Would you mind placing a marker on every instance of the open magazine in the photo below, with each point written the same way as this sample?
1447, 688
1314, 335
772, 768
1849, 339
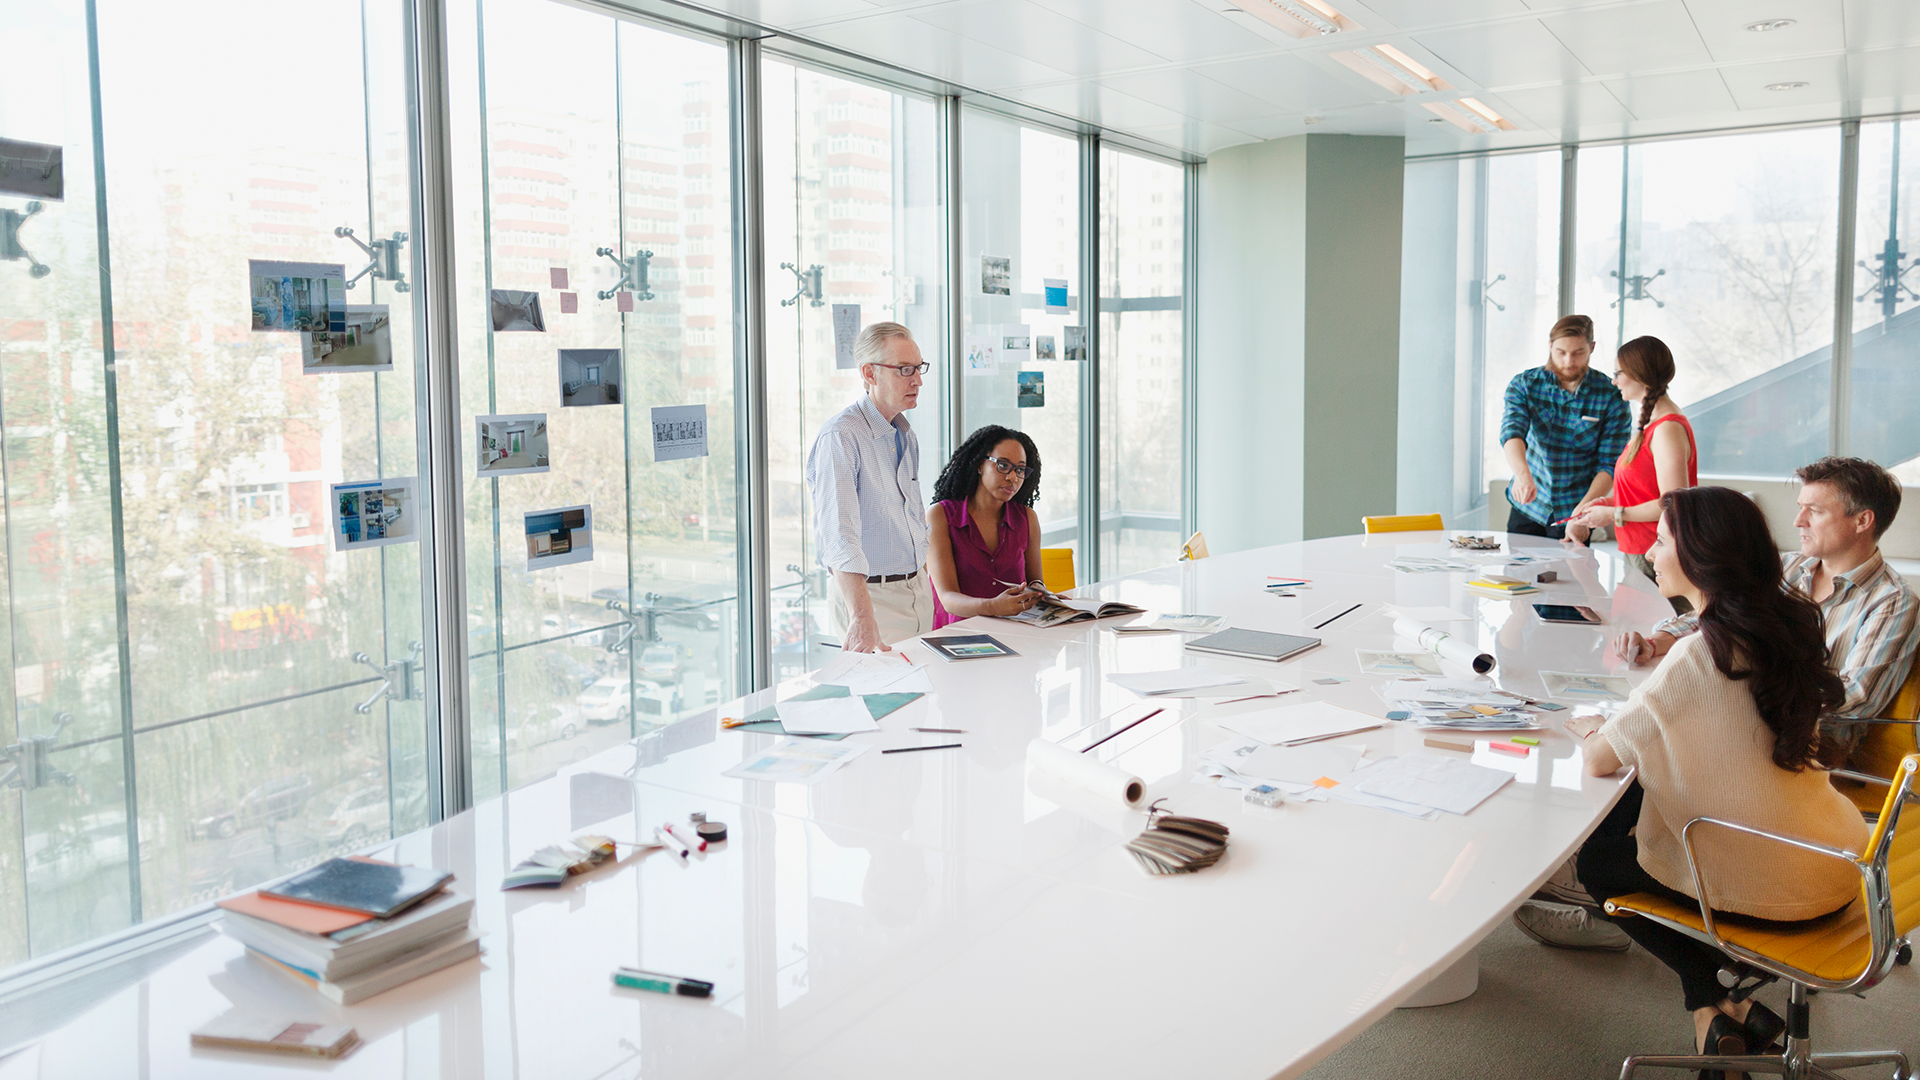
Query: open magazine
1054, 609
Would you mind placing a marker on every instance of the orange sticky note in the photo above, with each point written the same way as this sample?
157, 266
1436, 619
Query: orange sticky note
1324, 782
1485, 710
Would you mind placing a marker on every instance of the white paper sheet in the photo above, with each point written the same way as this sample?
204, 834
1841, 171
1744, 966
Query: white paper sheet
826, 716
1305, 722
1573, 686
876, 673
1183, 678
1380, 662
1427, 780
1301, 764
798, 761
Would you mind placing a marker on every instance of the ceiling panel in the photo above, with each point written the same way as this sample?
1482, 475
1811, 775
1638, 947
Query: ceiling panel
1684, 93
1890, 76
1042, 36
1294, 82
1504, 54
791, 13
1097, 104
1566, 108
1192, 95
1407, 14
1722, 25
932, 51
1826, 79
1196, 137
1182, 32
1614, 41
1881, 22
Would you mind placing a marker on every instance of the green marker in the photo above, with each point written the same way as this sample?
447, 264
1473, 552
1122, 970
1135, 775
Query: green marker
1524, 741
635, 979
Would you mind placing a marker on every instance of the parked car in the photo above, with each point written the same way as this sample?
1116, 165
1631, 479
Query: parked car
349, 813
660, 662
542, 724
275, 800
565, 674
607, 701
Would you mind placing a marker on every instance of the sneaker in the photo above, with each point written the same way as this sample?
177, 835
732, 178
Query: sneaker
1567, 926
1565, 888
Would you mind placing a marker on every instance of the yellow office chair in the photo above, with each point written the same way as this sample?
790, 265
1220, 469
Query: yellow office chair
1849, 951
1056, 568
1195, 547
1403, 523
1879, 752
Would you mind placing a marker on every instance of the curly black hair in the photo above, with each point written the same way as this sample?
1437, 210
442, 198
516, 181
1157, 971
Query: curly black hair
962, 472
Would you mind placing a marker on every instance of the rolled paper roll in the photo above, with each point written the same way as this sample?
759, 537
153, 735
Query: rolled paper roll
1444, 645
1085, 772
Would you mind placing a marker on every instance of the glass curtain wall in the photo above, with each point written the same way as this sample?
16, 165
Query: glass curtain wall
597, 371
1142, 254
1724, 249
1022, 368
215, 663
1883, 421
853, 217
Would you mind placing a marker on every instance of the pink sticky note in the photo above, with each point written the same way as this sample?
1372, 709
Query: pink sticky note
569, 303
623, 301
559, 276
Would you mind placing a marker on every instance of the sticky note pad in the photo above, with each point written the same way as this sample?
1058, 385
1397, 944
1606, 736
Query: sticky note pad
569, 303
623, 300
1324, 782
1508, 748
1485, 710
558, 275
1524, 741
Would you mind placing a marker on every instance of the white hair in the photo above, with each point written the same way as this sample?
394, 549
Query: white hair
871, 346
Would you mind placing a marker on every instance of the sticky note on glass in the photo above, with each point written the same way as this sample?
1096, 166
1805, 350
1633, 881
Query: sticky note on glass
1055, 290
623, 300
558, 275
569, 303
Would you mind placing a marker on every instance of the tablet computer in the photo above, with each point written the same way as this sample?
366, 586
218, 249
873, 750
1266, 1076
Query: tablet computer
1568, 613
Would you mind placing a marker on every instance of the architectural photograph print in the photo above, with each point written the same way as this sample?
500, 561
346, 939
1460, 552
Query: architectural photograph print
679, 431
1076, 343
374, 513
558, 537
589, 377
517, 309
1033, 390
33, 170
996, 275
1043, 347
1016, 344
510, 445
365, 343
300, 297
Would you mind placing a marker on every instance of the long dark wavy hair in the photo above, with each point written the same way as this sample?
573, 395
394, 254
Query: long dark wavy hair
962, 472
1757, 630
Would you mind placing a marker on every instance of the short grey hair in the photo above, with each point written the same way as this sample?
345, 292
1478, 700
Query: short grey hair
871, 346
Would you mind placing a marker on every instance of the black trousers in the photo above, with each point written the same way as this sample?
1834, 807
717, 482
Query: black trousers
1518, 522
1609, 866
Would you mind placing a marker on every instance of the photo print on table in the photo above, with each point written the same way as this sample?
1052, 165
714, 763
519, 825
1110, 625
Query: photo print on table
996, 275
517, 309
365, 343
374, 513
300, 297
1076, 346
1043, 347
559, 536
1033, 390
589, 377
511, 444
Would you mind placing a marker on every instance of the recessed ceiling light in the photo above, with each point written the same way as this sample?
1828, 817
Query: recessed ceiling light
1787, 85
1765, 25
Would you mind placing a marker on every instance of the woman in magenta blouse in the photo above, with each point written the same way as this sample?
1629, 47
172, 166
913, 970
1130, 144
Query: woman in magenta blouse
983, 531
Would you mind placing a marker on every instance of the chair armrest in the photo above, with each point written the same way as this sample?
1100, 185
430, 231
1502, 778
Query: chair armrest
1864, 778
1873, 720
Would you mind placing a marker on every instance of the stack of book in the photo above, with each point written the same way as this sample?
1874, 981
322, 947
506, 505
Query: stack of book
353, 928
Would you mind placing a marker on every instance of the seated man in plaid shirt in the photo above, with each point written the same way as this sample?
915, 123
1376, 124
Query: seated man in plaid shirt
1564, 427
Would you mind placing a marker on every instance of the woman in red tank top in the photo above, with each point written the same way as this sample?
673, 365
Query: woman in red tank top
1659, 458
983, 532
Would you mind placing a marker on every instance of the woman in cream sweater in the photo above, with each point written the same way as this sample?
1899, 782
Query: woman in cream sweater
1728, 727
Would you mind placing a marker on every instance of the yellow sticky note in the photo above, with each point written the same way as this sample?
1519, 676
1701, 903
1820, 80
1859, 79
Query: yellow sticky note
1324, 782
1485, 710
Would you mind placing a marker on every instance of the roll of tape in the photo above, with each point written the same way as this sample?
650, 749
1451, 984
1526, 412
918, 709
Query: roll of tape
712, 832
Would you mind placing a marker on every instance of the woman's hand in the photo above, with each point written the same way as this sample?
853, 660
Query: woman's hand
1576, 534
1633, 648
1596, 516
1581, 727
1015, 600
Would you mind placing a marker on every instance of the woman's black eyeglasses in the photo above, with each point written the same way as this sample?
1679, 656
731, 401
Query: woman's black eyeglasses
1005, 467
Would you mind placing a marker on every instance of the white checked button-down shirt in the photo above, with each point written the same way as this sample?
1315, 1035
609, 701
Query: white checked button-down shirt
864, 475
1871, 618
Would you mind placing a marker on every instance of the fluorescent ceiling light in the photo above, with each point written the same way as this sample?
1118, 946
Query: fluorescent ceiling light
1487, 114
1299, 18
1464, 119
1765, 25
1392, 69
1787, 86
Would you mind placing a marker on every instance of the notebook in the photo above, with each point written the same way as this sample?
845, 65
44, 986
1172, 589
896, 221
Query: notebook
379, 889
967, 646
1253, 644
237, 1030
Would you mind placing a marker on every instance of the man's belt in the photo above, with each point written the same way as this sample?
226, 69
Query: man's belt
875, 579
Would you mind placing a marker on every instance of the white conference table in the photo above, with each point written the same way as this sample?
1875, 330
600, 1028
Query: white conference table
944, 914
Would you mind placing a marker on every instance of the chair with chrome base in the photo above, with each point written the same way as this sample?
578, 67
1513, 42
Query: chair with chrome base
1876, 759
1849, 951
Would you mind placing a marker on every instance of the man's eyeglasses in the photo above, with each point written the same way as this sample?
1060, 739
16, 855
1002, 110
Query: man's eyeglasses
1004, 466
907, 371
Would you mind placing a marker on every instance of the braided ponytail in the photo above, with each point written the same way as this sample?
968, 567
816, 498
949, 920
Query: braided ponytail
1650, 362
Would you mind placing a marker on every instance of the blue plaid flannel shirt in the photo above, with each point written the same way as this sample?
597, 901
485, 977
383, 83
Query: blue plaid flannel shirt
1570, 436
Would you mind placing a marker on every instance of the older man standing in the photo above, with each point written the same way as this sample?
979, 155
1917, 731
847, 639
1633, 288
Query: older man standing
869, 519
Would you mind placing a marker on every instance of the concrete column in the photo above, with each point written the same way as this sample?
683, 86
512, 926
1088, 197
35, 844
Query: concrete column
1299, 337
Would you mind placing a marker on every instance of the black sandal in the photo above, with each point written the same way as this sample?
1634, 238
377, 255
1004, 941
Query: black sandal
1763, 1029
1725, 1037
